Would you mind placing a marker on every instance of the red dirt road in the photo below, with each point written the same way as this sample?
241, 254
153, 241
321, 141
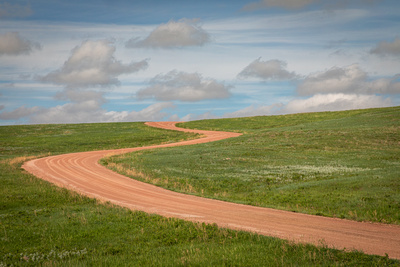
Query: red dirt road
81, 172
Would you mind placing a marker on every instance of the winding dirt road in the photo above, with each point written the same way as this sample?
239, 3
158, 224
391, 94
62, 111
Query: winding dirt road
81, 172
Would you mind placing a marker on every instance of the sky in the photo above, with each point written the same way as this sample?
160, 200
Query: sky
179, 60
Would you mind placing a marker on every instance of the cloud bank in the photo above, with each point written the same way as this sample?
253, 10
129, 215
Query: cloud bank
350, 79
338, 88
174, 34
184, 86
92, 64
12, 43
315, 103
90, 111
84, 108
335, 102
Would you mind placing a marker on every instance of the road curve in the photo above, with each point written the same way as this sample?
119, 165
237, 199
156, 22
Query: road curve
81, 172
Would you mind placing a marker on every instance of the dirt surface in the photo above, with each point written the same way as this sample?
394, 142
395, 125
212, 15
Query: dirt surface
81, 172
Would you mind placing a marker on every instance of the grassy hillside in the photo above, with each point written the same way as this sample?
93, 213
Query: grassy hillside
43, 225
339, 164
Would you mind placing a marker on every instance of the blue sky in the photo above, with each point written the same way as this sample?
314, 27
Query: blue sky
119, 60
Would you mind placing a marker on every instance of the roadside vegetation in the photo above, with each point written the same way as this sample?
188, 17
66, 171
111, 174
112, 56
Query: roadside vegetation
43, 225
337, 164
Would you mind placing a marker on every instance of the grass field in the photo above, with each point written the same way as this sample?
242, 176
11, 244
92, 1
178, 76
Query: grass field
43, 225
338, 164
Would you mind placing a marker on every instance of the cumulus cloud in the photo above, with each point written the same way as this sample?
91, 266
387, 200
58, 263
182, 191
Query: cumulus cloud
8, 10
174, 34
12, 43
350, 79
184, 87
267, 70
387, 48
92, 64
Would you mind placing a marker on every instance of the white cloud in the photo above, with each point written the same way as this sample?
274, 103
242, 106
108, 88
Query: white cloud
267, 70
387, 48
174, 34
8, 10
335, 102
184, 87
350, 79
92, 64
12, 43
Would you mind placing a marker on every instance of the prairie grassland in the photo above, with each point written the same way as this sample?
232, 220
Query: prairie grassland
338, 164
43, 225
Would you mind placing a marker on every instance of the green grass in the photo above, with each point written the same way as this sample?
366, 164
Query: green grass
43, 225
67, 138
338, 164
